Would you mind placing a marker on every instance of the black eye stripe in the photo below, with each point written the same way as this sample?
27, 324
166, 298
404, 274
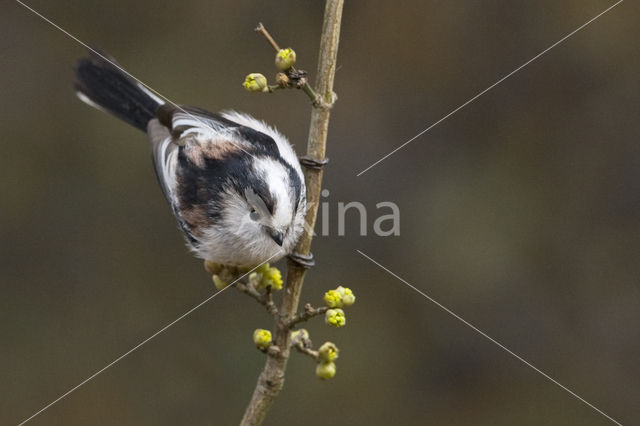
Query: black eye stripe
263, 192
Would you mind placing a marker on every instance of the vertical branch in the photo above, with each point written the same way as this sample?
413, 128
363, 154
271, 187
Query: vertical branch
316, 146
271, 380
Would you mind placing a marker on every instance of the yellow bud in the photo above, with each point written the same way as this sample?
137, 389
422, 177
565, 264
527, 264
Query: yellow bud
269, 277
328, 352
219, 282
348, 298
262, 338
255, 82
274, 279
326, 370
333, 299
335, 318
285, 59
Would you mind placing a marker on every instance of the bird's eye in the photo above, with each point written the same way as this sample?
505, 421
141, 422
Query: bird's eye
254, 215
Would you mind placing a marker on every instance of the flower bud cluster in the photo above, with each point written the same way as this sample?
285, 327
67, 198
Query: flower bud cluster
339, 298
336, 299
285, 60
326, 367
266, 276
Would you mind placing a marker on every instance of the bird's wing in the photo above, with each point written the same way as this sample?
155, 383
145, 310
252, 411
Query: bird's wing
184, 121
173, 127
164, 150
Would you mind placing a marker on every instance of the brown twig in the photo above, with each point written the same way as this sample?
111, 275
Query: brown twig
265, 299
303, 344
307, 351
261, 29
271, 380
309, 312
268, 302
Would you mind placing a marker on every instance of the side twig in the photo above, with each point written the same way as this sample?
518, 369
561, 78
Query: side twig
265, 299
309, 312
261, 29
306, 87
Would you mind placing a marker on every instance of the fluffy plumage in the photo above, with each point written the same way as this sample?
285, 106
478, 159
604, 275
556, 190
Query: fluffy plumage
233, 182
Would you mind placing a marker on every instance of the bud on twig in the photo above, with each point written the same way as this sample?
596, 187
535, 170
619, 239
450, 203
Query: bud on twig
333, 299
335, 318
285, 59
262, 338
219, 282
269, 277
256, 82
328, 352
326, 370
282, 80
340, 297
348, 298
298, 336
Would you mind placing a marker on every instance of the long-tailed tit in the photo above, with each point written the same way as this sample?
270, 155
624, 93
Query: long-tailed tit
234, 183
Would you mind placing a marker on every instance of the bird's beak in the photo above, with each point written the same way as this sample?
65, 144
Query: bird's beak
277, 236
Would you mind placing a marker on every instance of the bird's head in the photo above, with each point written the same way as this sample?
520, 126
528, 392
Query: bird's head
263, 215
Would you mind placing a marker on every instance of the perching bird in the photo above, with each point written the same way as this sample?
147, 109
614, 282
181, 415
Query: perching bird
233, 182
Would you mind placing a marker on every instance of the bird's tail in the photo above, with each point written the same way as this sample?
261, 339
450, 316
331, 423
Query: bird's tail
104, 85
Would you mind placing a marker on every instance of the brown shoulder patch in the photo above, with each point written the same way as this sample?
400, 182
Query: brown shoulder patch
197, 150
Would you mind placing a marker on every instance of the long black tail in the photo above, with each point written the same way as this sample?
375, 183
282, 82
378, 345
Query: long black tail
104, 86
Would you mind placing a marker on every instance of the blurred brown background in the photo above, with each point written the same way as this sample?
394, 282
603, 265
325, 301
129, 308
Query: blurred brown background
521, 213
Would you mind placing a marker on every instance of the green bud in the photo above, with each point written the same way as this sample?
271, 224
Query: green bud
335, 318
298, 335
256, 82
326, 370
254, 279
285, 59
328, 352
219, 282
348, 298
262, 338
333, 299
212, 267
